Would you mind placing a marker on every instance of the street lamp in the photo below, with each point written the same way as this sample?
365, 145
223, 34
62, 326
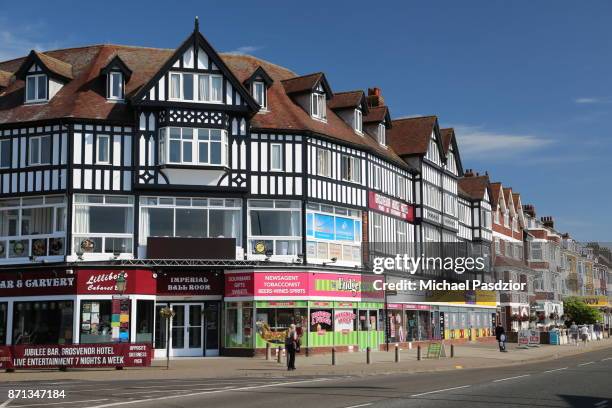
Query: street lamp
121, 281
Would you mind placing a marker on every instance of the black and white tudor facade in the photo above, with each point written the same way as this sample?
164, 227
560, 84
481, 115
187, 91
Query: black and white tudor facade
116, 157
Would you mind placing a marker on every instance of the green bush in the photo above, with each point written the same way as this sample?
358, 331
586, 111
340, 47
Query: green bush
576, 310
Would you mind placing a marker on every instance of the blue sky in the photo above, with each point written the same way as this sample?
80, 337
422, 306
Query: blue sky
527, 85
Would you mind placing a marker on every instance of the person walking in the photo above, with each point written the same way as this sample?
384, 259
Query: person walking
597, 331
291, 342
584, 334
500, 336
574, 333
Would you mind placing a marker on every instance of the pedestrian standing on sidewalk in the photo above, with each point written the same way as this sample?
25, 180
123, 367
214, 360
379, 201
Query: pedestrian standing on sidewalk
500, 335
291, 346
574, 333
597, 331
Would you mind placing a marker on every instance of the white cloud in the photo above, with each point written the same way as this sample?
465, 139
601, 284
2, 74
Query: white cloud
592, 100
477, 142
246, 49
18, 41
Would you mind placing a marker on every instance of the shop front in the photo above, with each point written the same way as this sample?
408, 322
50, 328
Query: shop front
329, 309
98, 306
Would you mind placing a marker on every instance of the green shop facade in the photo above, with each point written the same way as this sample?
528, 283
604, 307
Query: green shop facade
329, 309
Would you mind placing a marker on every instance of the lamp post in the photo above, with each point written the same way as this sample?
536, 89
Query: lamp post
167, 314
121, 281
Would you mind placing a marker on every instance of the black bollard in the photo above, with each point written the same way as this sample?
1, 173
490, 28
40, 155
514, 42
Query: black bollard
452, 350
397, 353
278, 356
333, 356
419, 352
367, 355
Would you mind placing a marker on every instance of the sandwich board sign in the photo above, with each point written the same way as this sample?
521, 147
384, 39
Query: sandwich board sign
435, 350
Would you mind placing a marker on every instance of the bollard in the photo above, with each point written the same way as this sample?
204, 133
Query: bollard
367, 355
333, 356
419, 352
278, 355
397, 351
268, 351
452, 350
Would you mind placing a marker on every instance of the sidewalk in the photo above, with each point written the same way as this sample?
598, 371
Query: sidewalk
467, 356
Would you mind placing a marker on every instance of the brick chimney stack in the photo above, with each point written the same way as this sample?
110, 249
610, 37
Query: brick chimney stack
548, 222
529, 209
375, 97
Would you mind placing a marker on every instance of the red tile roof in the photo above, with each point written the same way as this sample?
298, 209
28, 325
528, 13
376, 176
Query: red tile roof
84, 96
4, 78
475, 186
495, 194
56, 66
447, 136
411, 136
304, 83
347, 100
376, 114
516, 198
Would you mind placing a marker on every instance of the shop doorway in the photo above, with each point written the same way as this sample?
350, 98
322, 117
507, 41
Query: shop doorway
194, 330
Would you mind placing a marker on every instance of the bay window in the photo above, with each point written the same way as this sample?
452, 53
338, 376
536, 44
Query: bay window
32, 226
103, 223
36, 88
193, 146
196, 87
274, 225
190, 217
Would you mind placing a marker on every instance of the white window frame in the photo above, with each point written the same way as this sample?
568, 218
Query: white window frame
294, 207
324, 164
350, 168
37, 80
318, 106
39, 161
114, 76
261, 92
382, 135
358, 119
276, 148
98, 149
197, 97
164, 147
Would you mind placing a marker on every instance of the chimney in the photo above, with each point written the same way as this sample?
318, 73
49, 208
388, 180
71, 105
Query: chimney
529, 209
468, 173
548, 222
375, 97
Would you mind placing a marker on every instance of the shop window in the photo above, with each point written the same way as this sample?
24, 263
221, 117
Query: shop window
345, 320
275, 226
368, 320
144, 321
321, 321
44, 322
238, 325
190, 217
397, 333
96, 319
103, 223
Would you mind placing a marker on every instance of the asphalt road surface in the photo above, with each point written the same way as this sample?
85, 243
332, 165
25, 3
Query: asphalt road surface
583, 380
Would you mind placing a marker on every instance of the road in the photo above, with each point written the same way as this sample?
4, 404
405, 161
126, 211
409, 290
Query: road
578, 381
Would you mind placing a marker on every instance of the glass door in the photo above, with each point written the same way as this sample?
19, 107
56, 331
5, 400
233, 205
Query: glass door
211, 335
187, 330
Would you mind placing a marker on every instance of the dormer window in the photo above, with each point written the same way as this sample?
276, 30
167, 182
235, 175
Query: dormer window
259, 94
36, 88
358, 125
382, 137
115, 85
318, 106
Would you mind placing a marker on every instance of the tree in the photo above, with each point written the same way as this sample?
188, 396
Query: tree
577, 311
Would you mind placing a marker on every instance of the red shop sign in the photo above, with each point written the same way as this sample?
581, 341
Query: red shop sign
239, 284
190, 283
36, 283
77, 356
391, 206
104, 282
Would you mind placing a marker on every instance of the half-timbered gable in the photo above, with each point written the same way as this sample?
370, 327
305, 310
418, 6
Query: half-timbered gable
193, 125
